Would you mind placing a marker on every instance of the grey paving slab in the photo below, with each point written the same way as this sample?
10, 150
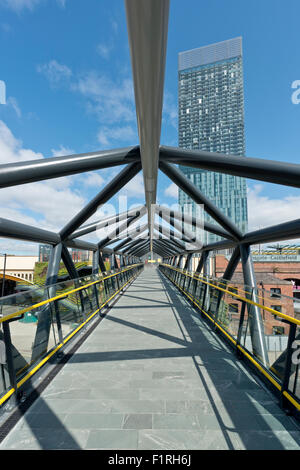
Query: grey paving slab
152, 375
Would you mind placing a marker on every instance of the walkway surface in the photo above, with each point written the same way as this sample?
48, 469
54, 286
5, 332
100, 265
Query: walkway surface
152, 375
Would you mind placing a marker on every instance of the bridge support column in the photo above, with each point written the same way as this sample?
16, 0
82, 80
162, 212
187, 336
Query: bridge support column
203, 262
41, 339
95, 262
259, 345
101, 262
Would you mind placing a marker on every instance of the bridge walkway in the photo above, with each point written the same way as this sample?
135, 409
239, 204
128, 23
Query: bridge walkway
153, 375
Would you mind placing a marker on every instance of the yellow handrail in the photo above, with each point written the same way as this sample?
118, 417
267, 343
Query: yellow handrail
60, 296
272, 379
244, 299
65, 340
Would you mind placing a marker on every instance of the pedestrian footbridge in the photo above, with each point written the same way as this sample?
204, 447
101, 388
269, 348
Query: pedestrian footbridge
152, 371
149, 356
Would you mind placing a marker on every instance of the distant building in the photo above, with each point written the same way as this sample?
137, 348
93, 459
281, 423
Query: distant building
211, 118
80, 255
277, 280
44, 253
19, 266
77, 255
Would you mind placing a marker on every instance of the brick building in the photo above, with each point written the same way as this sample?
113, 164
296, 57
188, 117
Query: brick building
276, 286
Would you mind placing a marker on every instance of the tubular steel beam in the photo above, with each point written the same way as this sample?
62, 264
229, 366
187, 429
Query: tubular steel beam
81, 245
188, 262
143, 251
137, 247
101, 262
129, 245
170, 250
158, 250
191, 220
202, 262
123, 244
68, 262
135, 232
128, 242
170, 238
47, 168
255, 320
95, 268
16, 230
104, 223
169, 244
110, 190
185, 235
165, 250
118, 232
147, 24
191, 190
232, 264
287, 174
223, 245
280, 232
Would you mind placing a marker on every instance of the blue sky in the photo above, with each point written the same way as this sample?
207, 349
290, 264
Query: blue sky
67, 70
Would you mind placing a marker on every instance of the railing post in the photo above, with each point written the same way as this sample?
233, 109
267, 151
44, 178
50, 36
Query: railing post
241, 324
9, 358
58, 321
206, 276
288, 362
95, 271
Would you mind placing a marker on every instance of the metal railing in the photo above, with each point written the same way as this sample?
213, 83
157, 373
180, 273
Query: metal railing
36, 324
228, 309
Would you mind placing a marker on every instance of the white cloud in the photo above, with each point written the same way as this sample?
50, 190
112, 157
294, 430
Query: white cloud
55, 72
62, 3
172, 191
104, 50
94, 180
112, 101
108, 135
10, 246
113, 104
62, 151
48, 204
135, 187
115, 26
11, 149
264, 211
19, 5
12, 102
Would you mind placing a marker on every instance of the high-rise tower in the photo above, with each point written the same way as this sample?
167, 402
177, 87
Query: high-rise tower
211, 118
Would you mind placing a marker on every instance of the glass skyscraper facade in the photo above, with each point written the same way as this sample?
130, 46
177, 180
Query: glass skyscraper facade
211, 118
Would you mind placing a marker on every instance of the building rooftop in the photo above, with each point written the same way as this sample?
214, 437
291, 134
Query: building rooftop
217, 52
266, 278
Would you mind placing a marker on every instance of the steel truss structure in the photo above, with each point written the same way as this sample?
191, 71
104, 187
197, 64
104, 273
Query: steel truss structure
147, 31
